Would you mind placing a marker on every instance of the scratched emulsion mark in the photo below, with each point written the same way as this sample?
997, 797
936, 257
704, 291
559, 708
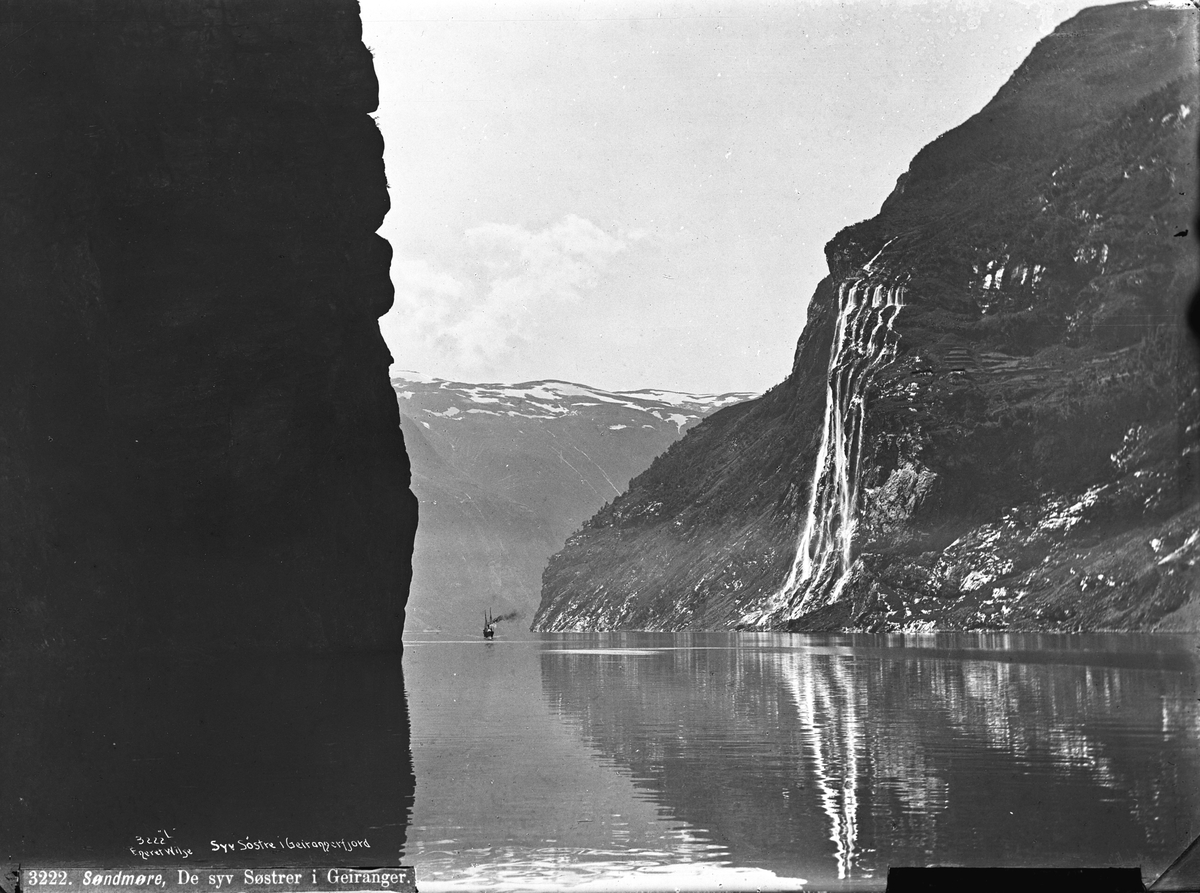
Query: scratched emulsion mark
864, 340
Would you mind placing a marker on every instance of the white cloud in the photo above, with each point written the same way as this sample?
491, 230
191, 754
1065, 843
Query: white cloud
511, 279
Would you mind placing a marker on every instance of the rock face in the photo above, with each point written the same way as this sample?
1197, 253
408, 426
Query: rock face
992, 416
198, 441
505, 473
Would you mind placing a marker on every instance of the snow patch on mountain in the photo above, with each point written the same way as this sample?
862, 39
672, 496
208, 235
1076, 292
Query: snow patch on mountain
552, 398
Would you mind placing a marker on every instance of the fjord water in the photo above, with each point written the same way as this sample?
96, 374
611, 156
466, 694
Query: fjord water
752, 761
773, 761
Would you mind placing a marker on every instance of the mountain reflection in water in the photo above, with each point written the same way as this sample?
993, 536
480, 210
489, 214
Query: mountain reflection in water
842, 755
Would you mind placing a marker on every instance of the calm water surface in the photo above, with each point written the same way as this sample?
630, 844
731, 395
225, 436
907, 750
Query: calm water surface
761, 760
637, 760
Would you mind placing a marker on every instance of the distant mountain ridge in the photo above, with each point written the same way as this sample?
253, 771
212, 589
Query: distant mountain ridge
505, 472
993, 418
551, 398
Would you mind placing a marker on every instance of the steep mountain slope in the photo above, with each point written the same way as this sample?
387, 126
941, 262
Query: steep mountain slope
991, 418
505, 472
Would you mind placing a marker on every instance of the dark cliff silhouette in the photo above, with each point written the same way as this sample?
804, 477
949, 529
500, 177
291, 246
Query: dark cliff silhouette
199, 444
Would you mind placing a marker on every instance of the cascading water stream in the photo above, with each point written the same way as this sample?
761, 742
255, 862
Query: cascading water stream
863, 341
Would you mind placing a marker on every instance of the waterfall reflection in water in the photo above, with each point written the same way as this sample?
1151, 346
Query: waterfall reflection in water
645, 760
654, 760
838, 756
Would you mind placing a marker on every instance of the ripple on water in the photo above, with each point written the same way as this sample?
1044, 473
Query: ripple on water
587, 869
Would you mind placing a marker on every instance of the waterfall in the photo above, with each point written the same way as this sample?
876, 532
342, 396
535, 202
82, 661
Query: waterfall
863, 341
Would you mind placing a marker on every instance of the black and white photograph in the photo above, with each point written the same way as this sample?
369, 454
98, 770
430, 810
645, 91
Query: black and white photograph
632, 445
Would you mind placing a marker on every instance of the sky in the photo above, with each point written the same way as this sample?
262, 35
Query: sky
638, 194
